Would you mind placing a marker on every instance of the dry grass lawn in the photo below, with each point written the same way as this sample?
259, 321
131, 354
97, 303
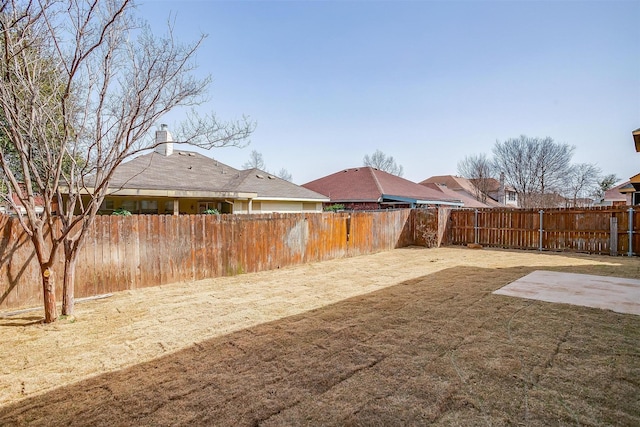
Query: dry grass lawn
408, 337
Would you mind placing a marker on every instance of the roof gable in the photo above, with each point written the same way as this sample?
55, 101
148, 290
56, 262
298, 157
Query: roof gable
469, 201
270, 186
183, 170
371, 185
190, 171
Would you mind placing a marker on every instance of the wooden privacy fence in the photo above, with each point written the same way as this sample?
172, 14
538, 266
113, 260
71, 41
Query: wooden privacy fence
606, 230
130, 252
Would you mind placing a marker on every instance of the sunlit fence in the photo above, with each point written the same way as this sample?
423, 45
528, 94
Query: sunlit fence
607, 230
123, 253
147, 250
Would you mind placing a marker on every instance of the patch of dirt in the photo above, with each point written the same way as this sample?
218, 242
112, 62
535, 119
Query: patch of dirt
407, 337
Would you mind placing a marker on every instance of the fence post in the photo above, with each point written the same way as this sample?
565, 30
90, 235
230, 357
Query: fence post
475, 227
630, 231
541, 231
613, 236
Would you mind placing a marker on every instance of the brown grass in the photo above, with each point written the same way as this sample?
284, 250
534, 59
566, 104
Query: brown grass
408, 337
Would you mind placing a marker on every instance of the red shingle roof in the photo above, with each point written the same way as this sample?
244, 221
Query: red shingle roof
469, 201
367, 184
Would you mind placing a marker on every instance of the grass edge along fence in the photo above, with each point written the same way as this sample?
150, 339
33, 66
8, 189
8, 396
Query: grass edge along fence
129, 252
600, 230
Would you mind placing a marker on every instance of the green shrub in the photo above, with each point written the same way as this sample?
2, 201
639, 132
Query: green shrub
121, 212
334, 208
211, 212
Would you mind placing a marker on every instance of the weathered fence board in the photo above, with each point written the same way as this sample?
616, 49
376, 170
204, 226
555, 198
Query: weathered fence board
130, 252
574, 230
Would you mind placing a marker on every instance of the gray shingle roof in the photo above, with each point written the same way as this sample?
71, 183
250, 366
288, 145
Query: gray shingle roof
270, 186
183, 170
190, 171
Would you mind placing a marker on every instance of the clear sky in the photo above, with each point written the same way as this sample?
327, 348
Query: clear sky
426, 82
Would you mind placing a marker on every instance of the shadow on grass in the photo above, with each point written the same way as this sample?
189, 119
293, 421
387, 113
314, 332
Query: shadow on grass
20, 321
439, 349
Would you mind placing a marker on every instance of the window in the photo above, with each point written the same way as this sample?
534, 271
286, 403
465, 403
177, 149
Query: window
511, 196
129, 205
106, 207
168, 207
203, 206
149, 206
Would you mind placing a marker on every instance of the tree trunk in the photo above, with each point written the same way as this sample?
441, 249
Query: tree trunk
71, 251
68, 300
49, 289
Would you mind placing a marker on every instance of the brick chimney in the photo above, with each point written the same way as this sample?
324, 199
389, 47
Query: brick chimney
164, 141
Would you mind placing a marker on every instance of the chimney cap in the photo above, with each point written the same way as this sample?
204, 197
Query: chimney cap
164, 126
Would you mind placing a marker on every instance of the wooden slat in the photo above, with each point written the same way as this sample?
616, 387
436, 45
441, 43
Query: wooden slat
142, 250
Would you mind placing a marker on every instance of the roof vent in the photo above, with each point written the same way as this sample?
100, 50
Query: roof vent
259, 176
271, 177
192, 154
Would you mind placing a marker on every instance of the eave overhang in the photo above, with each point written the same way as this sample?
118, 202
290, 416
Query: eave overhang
173, 194
291, 199
414, 201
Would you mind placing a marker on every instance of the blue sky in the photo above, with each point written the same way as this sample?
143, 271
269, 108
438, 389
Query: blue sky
426, 82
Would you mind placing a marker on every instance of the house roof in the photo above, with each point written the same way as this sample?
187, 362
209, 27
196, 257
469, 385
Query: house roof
615, 194
271, 187
367, 184
455, 183
190, 174
183, 170
492, 184
469, 201
463, 187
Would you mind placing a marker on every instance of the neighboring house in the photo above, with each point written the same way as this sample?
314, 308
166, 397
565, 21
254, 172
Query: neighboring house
579, 202
467, 190
614, 196
169, 181
632, 190
636, 139
7, 208
468, 201
368, 188
500, 192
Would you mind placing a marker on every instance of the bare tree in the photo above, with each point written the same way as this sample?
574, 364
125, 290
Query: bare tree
582, 179
604, 184
479, 170
284, 174
535, 167
255, 161
83, 83
381, 161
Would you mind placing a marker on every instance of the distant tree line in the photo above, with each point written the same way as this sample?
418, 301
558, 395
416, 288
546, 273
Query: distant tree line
256, 161
383, 162
539, 170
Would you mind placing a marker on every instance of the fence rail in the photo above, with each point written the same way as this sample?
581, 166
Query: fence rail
610, 231
147, 250
123, 253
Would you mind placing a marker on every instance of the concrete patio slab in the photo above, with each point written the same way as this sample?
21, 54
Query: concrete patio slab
609, 293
